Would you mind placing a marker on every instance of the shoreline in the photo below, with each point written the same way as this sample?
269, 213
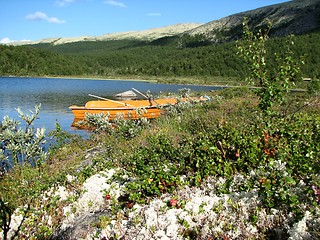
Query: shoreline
168, 80
133, 79
82, 78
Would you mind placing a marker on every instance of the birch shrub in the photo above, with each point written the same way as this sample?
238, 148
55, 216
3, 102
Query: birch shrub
21, 145
272, 73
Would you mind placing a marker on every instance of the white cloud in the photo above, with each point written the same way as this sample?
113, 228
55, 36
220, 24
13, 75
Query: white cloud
154, 14
115, 3
63, 3
55, 20
40, 16
5, 40
37, 16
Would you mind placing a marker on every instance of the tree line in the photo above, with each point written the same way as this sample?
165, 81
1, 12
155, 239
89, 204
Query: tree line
173, 56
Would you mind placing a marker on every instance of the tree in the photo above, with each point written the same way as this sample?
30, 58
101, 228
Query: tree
272, 77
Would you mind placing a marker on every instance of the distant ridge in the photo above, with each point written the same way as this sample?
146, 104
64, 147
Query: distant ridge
152, 34
293, 17
145, 35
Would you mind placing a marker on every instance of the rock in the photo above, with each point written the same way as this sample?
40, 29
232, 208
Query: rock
126, 94
81, 228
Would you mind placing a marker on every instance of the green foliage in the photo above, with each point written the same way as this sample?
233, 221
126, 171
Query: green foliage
119, 127
273, 78
5, 217
19, 146
289, 167
170, 60
60, 138
227, 138
271, 153
22, 145
314, 87
97, 122
175, 57
188, 41
277, 157
23, 189
27, 61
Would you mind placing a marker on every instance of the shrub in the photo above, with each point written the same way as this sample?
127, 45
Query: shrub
272, 74
20, 145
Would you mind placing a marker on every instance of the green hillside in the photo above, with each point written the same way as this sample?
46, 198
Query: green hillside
189, 57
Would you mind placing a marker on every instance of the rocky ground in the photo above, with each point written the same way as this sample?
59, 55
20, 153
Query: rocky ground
189, 213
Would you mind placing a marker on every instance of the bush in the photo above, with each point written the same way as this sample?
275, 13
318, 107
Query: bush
18, 145
272, 74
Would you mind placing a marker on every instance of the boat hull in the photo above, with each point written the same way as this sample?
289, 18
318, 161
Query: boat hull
113, 113
129, 109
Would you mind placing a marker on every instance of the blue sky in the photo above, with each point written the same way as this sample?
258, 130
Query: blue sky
39, 19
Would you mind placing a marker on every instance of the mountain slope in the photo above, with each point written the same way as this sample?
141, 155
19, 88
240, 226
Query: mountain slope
145, 35
294, 17
151, 34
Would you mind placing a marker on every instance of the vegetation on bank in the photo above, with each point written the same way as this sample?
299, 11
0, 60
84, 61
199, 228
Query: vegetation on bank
269, 138
276, 155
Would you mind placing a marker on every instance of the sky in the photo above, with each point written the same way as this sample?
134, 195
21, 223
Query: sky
31, 20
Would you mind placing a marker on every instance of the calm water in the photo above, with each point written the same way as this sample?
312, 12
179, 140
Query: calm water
56, 95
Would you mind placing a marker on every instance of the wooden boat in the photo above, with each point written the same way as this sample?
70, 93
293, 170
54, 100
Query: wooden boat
129, 109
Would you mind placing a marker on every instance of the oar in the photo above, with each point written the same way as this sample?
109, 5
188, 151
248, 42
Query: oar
125, 104
143, 95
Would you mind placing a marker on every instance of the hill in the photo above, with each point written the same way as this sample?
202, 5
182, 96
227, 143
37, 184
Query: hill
145, 35
203, 53
294, 17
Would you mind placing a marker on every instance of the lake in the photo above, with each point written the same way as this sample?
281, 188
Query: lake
57, 94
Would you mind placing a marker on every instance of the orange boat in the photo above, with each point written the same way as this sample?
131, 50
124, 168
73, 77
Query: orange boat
128, 109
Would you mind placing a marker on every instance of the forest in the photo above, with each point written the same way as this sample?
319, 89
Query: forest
167, 57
